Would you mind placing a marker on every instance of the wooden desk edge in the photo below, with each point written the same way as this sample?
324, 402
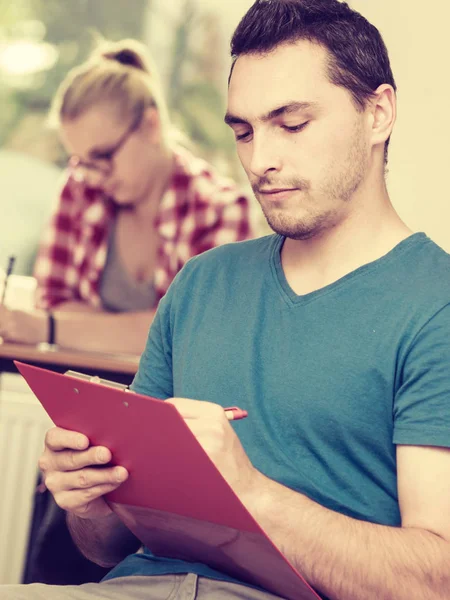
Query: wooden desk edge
60, 356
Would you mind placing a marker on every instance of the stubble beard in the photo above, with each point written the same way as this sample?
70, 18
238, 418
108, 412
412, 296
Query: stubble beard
290, 224
337, 191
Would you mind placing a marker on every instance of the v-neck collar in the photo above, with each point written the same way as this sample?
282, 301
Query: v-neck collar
291, 298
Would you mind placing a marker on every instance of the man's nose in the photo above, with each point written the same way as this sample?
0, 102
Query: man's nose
265, 155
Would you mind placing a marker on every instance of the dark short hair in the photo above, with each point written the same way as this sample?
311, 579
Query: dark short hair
358, 58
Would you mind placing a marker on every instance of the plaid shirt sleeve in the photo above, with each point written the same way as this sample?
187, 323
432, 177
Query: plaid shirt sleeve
219, 213
202, 211
54, 268
225, 220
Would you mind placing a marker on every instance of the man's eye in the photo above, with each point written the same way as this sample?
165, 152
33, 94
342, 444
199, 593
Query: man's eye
242, 136
296, 128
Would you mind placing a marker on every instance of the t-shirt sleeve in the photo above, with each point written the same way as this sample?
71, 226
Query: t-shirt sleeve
422, 403
154, 376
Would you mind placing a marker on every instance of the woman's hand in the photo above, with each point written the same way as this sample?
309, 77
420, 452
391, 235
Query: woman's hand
22, 326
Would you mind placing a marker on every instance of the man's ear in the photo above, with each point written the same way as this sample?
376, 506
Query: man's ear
383, 113
151, 125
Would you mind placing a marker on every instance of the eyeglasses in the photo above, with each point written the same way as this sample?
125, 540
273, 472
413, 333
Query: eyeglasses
98, 169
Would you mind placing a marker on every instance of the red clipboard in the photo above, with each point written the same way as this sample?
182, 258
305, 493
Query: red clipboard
175, 500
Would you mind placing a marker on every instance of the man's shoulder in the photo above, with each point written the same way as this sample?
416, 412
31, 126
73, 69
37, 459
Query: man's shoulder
233, 260
235, 252
421, 280
429, 266
217, 280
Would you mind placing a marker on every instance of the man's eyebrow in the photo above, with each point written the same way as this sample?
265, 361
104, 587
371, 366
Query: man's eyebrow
286, 109
233, 120
289, 108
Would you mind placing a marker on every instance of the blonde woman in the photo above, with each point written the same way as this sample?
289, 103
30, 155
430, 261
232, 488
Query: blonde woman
135, 207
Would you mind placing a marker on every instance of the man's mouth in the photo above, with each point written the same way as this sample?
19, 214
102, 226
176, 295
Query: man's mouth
275, 190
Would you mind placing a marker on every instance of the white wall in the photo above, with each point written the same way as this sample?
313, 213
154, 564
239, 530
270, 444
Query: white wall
416, 34
25, 207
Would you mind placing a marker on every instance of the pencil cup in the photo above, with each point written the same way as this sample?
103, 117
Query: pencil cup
19, 292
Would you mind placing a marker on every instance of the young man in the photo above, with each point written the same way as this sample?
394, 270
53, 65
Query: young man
334, 334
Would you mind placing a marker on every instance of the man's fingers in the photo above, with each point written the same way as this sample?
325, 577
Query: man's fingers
85, 478
73, 460
57, 439
79, 501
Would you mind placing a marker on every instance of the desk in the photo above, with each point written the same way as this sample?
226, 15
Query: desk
119, 367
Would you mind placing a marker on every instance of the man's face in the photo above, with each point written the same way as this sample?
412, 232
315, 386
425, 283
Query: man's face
302, 142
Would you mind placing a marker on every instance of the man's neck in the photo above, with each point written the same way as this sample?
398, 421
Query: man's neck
363, 237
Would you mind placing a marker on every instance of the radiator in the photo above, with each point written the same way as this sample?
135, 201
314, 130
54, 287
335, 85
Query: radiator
23, 423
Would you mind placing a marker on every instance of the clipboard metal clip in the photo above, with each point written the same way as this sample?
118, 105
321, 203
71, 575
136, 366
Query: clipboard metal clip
96, 379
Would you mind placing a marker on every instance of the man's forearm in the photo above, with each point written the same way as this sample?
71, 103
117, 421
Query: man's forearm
105, 541
347, 559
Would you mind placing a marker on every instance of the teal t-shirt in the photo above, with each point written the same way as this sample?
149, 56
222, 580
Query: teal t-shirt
332, 380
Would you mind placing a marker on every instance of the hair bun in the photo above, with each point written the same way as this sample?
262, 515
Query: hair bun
129, 53
127, 57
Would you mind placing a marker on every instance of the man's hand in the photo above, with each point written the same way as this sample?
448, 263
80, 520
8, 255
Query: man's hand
22, 326
76, 475
209, 424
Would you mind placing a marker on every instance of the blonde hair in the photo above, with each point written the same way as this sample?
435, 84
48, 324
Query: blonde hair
121, 74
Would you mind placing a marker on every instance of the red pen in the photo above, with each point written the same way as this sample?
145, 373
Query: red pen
234, 413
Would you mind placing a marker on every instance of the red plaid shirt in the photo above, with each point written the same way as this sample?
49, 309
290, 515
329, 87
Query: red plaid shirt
200, 210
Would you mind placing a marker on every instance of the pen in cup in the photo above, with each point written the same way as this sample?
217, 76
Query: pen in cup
9, 270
